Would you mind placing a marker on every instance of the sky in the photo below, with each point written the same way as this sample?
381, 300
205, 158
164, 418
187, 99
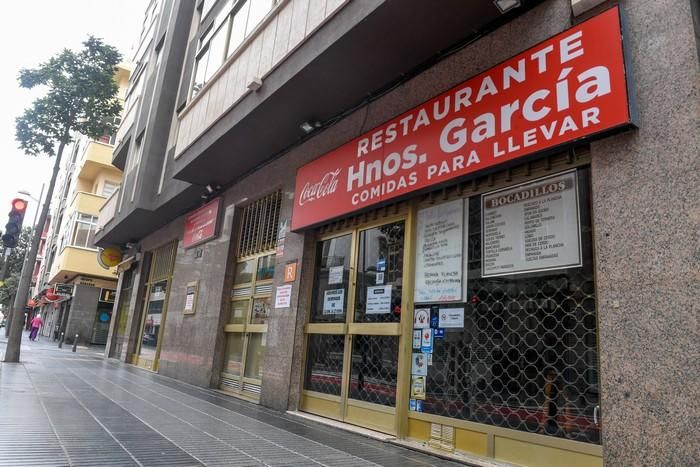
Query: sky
32, 31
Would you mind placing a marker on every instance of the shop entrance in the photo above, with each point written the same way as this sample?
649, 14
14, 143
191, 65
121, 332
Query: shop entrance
153, 319
354, 332
245, 328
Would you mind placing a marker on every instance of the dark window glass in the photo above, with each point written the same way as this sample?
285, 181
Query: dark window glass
380, 274
324, 363
332, 278
526, 358
373, 372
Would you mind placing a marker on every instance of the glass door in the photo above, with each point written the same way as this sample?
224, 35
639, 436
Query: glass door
246, 327
156, 306
354, 330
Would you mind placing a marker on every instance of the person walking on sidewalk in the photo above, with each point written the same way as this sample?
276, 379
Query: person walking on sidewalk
36, 324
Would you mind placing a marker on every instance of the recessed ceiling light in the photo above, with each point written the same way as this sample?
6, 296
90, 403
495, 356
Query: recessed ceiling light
506, 5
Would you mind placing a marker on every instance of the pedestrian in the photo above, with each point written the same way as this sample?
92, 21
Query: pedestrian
36, 324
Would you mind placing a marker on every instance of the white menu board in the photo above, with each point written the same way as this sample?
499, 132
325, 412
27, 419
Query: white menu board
439, 247
531, 227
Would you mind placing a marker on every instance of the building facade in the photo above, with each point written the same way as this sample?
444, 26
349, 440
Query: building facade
448, 225
74, 293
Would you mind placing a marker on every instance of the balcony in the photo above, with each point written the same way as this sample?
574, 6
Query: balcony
95, 158
108, 210
86, 203
75, 261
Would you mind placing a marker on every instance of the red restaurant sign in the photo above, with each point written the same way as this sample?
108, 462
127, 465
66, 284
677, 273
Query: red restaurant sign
568, 87
200, 225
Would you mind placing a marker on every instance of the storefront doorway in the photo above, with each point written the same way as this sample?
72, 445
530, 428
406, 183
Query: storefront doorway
353, 338
245, 328
155, 310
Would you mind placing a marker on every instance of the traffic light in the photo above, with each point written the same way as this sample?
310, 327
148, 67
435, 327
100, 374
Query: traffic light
14, 223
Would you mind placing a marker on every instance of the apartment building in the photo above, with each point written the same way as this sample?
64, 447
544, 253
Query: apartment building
74, 292
445, 224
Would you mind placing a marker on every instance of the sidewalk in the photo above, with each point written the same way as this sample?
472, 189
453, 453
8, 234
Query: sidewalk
60, 408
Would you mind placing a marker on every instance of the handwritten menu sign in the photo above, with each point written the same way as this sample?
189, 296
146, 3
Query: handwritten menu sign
439, 253
531, 227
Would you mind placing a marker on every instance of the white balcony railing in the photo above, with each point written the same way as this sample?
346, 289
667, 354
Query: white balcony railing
108, 210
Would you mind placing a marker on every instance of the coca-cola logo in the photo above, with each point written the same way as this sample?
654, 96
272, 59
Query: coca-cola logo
326, 186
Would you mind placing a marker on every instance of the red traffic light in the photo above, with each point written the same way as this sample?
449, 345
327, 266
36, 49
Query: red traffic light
19, 204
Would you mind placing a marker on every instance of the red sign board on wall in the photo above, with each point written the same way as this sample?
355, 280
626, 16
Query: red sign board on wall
201, 224
566, 88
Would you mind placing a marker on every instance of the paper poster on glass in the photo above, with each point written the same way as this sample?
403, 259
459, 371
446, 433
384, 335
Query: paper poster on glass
378, 300
335, 275
451, 318
418, 387
421, 318
419, 364
334, 302
440, 245
412, 405
426, 343
531, 227
417, 338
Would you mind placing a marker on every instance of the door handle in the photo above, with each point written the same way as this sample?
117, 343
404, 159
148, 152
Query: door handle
596, 409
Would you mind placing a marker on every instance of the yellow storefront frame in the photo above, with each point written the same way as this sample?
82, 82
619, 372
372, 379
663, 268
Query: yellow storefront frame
342, 408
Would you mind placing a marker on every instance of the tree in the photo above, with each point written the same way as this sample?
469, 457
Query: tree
81, 97
14, 266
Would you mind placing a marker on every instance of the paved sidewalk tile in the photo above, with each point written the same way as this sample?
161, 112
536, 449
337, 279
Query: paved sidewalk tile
59, 408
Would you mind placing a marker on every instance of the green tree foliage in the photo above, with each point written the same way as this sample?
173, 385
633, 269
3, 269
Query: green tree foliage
14, 267
81, 96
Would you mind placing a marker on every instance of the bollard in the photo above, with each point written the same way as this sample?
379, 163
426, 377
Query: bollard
75, 343
60, 341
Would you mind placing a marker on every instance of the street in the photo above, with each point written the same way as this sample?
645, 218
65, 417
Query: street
59, 408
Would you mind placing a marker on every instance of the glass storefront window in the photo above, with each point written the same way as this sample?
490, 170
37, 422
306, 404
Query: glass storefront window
374, 369
324, 363
526, 357
244, 272
255, 355
261, 310
154, 315
234, 354
380, 274
239, 311
332, 278
266, 268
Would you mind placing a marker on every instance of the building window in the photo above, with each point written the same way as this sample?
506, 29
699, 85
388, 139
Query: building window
79, 231
229, 29
108, 188
259, 225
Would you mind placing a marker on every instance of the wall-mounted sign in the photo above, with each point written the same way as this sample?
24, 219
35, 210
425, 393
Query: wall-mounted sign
109, 257
63, 289
450, 318
565, 88
191, 292
201, 224
439, 264
107, 295
290, 271
283, 296
531, 227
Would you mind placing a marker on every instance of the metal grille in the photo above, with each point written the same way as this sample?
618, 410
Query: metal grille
259, 224
324, 364
374, 365
163, 262
526, 358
